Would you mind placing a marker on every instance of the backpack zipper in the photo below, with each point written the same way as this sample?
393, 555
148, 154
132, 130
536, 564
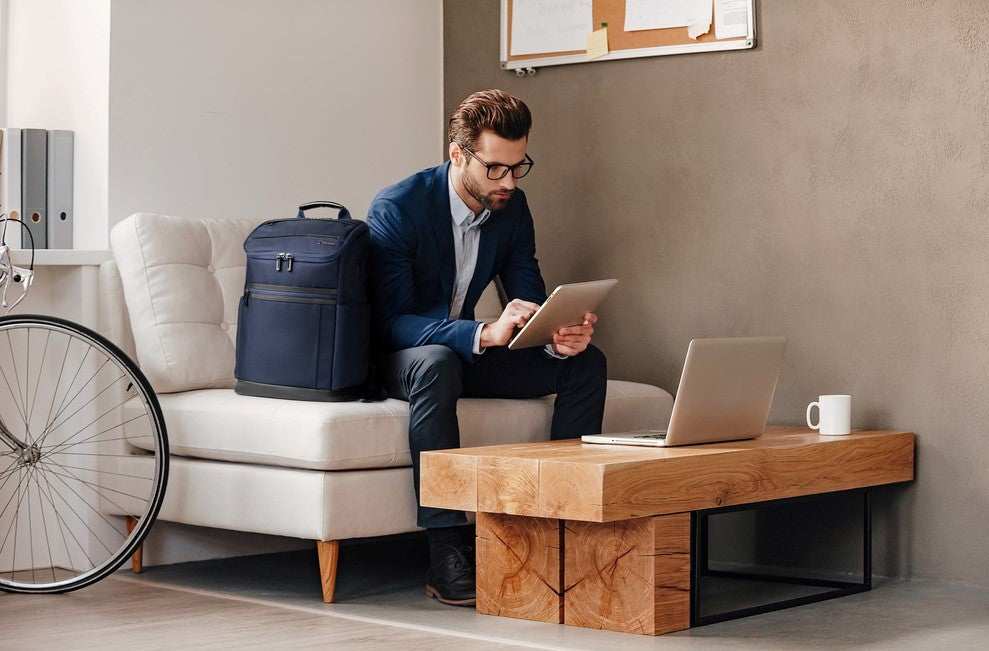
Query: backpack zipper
287, 257
319, 295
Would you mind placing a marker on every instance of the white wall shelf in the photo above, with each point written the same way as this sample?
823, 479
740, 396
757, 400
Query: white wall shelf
60, 257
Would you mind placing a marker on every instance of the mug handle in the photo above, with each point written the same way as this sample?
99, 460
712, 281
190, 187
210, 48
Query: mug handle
809, 407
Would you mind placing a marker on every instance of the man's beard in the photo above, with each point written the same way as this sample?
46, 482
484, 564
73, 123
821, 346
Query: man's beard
486, 200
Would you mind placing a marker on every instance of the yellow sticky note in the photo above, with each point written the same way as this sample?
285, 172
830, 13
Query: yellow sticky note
597, 43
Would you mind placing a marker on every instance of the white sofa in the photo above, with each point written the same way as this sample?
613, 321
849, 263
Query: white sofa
311, 470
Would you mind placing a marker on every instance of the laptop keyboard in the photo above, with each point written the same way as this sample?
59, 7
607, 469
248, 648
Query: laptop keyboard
652, 435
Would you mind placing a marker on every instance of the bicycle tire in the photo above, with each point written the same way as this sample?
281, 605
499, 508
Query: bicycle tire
69, 481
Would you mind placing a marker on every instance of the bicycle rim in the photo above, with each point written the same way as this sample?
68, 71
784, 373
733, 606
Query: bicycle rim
84, 451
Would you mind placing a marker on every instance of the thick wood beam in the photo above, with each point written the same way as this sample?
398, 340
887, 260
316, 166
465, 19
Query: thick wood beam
519, 567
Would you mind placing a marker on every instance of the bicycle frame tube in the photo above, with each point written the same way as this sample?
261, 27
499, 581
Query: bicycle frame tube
11, 440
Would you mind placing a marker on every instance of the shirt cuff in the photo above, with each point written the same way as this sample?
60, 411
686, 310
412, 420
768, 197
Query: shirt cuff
477, 339
552, 353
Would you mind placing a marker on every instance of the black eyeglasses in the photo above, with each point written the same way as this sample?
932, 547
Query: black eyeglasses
497, 171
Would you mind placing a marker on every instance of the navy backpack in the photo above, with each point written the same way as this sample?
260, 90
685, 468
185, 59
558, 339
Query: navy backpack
303, 330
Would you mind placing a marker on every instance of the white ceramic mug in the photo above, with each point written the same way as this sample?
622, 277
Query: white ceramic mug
834, 415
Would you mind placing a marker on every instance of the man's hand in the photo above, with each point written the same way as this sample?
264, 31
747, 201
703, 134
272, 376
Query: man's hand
516, 314
573, 340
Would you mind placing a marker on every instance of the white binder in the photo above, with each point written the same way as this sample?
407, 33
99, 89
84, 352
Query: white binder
60, 189
34, 183
10, 183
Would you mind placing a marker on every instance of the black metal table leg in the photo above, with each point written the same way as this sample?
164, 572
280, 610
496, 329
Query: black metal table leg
700, 568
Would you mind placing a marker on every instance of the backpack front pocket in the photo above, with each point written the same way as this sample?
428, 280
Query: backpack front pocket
286, 334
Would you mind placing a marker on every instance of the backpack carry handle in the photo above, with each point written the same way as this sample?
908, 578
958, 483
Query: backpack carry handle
344, 213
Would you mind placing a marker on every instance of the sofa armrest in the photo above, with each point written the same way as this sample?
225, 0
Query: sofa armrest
114, 322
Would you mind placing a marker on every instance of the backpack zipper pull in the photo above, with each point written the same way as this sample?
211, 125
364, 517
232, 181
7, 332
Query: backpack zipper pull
278, 261
247, 297
288, 258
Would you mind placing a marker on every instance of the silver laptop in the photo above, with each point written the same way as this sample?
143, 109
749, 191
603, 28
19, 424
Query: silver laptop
725, 394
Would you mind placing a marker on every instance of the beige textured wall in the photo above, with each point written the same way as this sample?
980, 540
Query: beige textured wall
831, 185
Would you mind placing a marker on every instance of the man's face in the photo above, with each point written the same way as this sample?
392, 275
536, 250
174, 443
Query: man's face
492, 149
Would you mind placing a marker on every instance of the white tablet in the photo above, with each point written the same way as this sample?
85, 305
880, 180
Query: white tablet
566, 306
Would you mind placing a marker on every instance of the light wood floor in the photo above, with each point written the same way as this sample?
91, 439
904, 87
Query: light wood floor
120, 614
274, 602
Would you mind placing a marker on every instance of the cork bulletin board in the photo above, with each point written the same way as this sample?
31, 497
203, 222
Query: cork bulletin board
544, 23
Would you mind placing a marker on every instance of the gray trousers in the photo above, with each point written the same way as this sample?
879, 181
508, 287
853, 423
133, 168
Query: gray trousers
433, 378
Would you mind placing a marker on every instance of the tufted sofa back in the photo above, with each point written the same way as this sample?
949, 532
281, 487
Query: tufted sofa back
181, 279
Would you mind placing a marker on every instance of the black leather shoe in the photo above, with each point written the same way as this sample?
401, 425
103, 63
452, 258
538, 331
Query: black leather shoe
452, 577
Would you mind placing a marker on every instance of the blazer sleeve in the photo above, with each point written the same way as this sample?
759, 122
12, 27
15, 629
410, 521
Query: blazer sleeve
520, 275
394, 246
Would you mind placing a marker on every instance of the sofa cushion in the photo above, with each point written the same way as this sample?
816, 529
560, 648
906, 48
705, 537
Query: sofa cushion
219, 424
182, 280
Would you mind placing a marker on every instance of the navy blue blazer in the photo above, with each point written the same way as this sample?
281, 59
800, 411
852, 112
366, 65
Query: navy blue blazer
412, 263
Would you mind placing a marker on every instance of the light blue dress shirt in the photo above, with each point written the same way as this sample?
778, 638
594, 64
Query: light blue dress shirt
466, 242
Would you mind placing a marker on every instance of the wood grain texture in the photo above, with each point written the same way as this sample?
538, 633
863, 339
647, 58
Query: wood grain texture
631, 576
518, 567
508, 485
448, 480
328, 552
602, 483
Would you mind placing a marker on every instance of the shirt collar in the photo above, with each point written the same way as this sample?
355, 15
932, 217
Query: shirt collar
458, 209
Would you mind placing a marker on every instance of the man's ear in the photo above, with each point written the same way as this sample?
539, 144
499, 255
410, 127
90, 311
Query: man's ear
456, 154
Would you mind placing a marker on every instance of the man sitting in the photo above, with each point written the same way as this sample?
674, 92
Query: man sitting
438, 238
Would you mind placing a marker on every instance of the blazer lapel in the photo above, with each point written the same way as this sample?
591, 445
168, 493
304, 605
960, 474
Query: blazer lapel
443, 227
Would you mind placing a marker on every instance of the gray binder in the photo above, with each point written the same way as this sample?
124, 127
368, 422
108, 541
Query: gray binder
60, 189
34, 182
10, 183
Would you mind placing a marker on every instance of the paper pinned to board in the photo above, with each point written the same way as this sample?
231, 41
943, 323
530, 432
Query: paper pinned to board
597, 43
542, 26
731, 18
695, 15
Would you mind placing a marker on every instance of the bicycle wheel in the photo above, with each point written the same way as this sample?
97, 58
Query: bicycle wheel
83, 455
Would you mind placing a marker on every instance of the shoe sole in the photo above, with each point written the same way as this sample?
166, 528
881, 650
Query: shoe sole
432, 593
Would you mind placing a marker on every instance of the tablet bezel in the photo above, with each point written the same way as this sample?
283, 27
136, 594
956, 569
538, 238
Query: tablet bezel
558, 311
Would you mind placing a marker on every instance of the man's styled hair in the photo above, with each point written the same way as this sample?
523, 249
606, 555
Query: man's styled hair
489, 110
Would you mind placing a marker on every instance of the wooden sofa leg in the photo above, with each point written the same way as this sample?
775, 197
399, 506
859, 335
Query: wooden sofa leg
137, 559
329, 552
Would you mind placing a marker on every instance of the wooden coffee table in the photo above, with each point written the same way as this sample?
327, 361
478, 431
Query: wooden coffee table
600, 536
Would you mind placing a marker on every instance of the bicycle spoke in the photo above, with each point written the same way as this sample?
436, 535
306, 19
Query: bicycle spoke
41, 370
98, 454
13, 365
58, 382
65, 445
96, 488
30, 520
15, 471
7, 472
62, 446
44, 526
51, 495
62, 405
58, 519
48, 430
107, 472
16, 523
91, 508
27, 382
